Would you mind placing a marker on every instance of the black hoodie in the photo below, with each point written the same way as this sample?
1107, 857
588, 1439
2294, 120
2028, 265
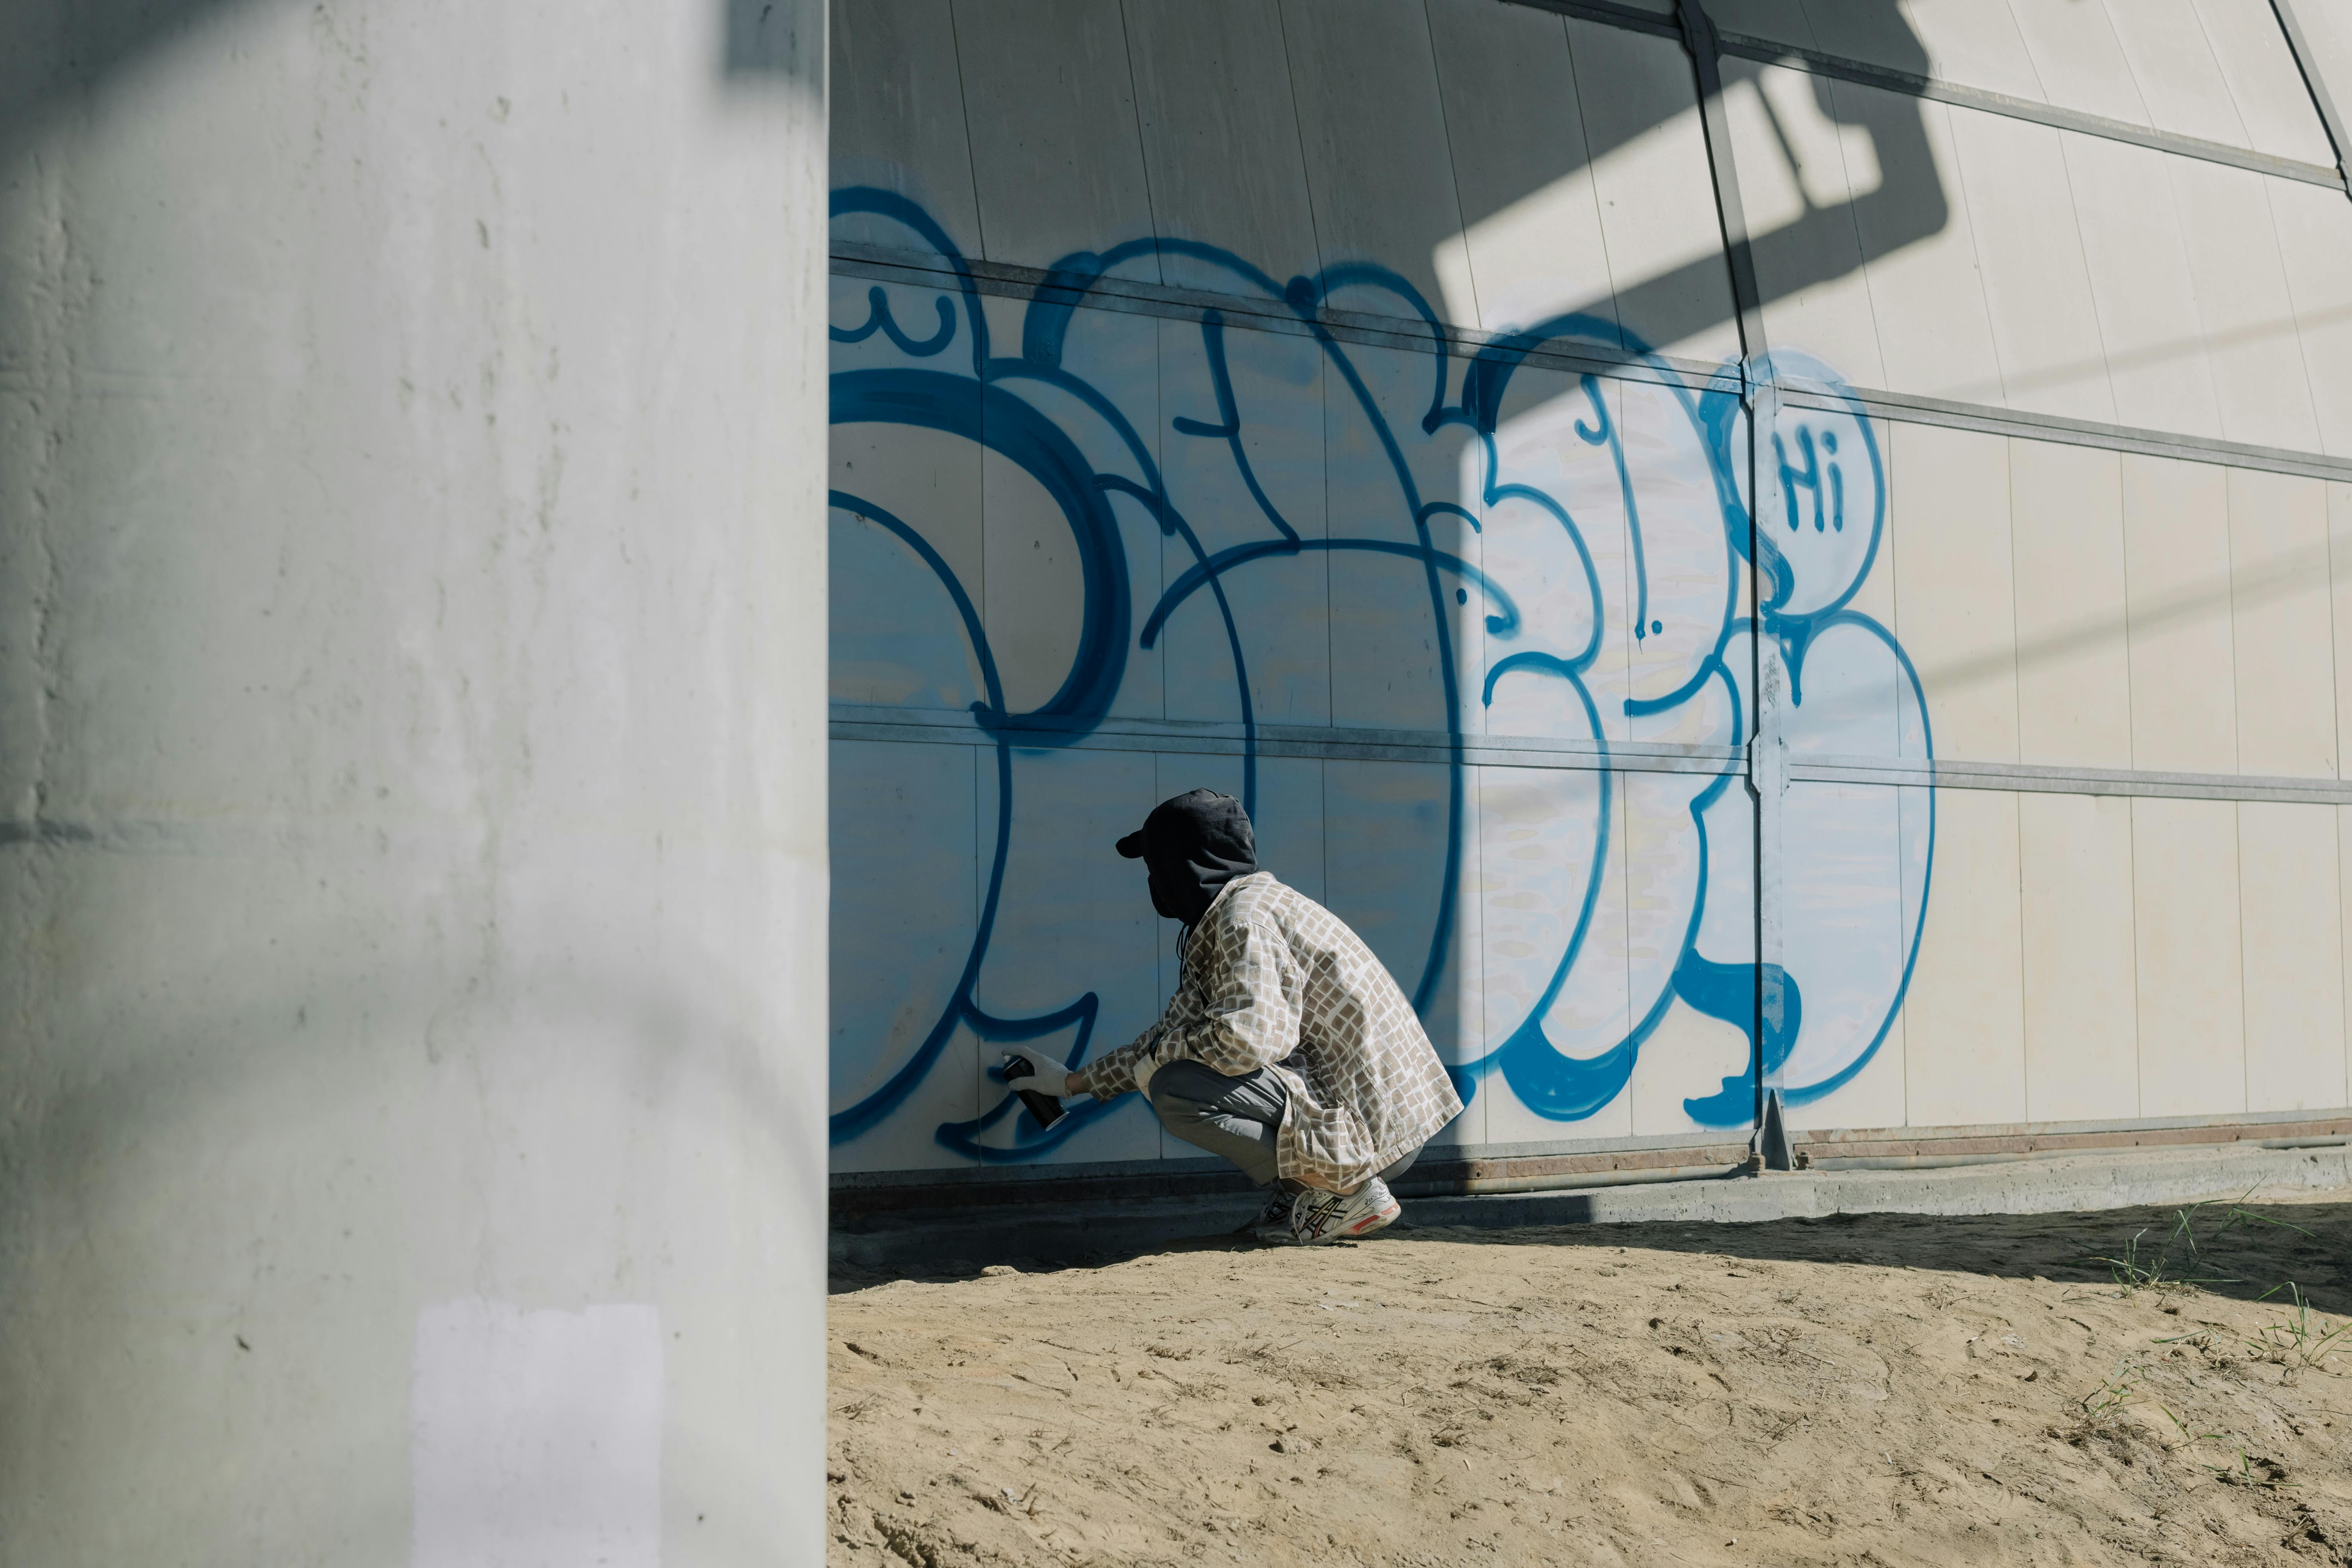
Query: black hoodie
1192, 845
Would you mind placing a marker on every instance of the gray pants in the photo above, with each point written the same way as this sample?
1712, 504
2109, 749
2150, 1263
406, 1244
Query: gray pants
1234, 1118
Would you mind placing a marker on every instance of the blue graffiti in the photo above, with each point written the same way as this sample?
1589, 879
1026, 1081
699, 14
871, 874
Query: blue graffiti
1550, 654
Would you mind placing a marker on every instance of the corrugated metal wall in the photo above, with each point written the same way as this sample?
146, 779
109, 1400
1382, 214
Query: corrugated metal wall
1338, 402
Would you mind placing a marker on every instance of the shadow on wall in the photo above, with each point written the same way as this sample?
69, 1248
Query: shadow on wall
775, 39
1815, 142
52, 55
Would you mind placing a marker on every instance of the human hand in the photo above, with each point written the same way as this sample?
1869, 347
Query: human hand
1046, 1076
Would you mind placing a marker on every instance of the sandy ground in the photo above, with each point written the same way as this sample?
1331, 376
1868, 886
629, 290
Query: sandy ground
1878, 1389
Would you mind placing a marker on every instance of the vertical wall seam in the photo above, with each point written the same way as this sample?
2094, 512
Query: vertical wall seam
2131, 809
2245, 1037
970, 158
1323, 388
2017, 801
2025, 47
2343, 1019
1306, 179
2148, 101
1452, 171
1143, 166
2294, 312
1584, 127
2139, 1037
1860, 253
1976, 256
2074, 215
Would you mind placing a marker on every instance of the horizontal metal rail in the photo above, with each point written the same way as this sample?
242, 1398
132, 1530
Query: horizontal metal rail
853, 722
922, 269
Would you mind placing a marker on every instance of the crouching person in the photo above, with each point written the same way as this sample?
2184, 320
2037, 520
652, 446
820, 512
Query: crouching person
1288, 1048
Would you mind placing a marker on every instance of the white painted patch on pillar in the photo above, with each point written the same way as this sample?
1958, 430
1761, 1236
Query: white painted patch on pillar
535, 1438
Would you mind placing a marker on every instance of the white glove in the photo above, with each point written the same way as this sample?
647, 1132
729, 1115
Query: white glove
1046, 1077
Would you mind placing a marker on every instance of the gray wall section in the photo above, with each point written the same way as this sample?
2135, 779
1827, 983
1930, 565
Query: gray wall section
411, 784
1221, 139
2057, 485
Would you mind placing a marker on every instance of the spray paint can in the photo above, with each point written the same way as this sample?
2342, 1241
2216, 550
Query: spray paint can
1046, 1108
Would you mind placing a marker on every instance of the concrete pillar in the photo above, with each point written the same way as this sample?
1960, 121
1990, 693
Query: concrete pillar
411, 784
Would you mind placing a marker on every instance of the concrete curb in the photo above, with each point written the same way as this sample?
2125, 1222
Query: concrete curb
2123, 1179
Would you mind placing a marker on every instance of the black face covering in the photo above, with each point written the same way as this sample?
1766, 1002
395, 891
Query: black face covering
1192, 845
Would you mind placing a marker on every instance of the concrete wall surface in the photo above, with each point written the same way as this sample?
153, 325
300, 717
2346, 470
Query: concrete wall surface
1340, 402
411, 782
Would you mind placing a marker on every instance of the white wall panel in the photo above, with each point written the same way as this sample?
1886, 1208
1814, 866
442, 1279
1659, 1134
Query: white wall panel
1877, 34
1927, 294
1964, 1023
2037, 284
1531, 237
897, 114
1538, 444
2192, 1052
1390, 821
1373, 132
1073, 918
1657, 198
2173, 65
1974, 42
2177, 575
1547, 840
1034, 601
1056, 158
1690, 1056
2282, 651
2343, 889
2142, 287
2339, 570
2269, 91
1846, 929
2315, 234
1875, 1097
1955, 596
1221, 137
1797, 195
906, 816
1280, 605
1392, 631
2074, 656
2292, 941
1032, 593
2246, 316
2074, 856
1675, 598
2078, 58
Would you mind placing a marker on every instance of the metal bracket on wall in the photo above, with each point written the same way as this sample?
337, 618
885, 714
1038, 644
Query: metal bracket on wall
1768, 770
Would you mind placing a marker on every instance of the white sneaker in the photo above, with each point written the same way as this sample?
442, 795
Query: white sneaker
1320, 1216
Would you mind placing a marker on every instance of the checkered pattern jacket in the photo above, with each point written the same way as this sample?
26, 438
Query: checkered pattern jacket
1272, 979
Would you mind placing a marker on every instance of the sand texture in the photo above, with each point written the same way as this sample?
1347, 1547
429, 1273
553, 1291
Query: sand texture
1879, 1389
